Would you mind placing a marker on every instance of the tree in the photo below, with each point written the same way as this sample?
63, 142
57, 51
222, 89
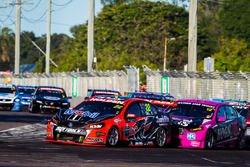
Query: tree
114, 2
234, 55
234, 19
6, 49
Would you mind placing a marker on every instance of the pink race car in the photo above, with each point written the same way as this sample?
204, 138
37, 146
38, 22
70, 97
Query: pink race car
206, 124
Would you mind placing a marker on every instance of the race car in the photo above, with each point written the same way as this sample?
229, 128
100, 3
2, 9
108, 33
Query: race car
206, 124
49, 99
102, 93
111, 122
158, 99
9, 97
25, 94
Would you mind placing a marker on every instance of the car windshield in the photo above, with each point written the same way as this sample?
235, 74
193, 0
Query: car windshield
194, 110
8, 90
27, 91
103, 108
51, 92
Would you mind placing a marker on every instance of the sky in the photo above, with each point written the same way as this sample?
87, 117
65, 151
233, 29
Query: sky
65, 14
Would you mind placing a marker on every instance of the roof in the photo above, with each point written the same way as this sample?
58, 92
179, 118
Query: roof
56, 87
104, 90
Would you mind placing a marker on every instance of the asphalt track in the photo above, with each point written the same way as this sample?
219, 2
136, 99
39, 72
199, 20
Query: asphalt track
22, 144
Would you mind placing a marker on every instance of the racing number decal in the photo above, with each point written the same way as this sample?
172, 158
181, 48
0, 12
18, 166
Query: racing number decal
148, 109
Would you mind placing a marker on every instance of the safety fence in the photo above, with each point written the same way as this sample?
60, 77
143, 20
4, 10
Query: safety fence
229, 85
75, 84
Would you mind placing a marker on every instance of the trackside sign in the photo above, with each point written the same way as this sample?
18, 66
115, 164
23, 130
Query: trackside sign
164, 84
74, 86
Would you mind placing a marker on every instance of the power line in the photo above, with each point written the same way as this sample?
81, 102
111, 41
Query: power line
29, 10
65, 4
9, 15
34, 20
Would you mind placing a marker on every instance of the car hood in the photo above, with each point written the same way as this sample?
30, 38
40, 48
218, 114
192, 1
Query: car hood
82, 117
7, 95
188, 122
24, 96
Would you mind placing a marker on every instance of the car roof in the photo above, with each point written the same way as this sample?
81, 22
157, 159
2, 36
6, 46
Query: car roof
56, 87
25, 86
104, 90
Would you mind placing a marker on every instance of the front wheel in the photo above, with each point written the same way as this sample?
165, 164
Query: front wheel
209, 141
160, 137
112, 137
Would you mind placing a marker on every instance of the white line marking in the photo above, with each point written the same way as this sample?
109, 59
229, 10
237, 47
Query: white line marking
209, 160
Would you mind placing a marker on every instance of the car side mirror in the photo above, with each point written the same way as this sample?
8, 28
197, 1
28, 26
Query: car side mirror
130, 115
221, 119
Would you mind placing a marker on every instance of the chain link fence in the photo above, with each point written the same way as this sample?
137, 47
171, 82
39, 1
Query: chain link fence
230, 85
75, 84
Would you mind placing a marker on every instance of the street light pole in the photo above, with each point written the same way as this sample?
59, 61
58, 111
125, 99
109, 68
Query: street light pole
165, 52
17, 36
47, 57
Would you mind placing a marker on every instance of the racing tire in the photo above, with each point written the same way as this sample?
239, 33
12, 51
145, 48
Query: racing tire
112, 137
160, 137
241, 142
209, 140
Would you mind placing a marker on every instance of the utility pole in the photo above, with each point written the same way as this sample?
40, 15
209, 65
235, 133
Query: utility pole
165, 54
17, 36
192, 36
47, 57
91, 35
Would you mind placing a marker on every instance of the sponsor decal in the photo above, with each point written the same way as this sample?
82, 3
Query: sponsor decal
94, 139
185, 122
107, 100
191, 136
118, 107
106, 92
51, 89
82, 113
51, 98
195, 143
117, 120
224, 132
164, 119
70, 130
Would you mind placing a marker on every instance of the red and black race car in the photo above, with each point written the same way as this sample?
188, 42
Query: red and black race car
112, 122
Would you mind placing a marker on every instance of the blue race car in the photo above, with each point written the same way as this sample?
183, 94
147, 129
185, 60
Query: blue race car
25, 95
9, 100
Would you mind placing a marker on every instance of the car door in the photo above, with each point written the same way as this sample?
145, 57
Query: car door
133, 118
150, 125
232, 118
223, 127
139, 118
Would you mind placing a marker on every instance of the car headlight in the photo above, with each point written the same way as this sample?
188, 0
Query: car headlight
38, 101
96, 126
17, 100
65, 103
